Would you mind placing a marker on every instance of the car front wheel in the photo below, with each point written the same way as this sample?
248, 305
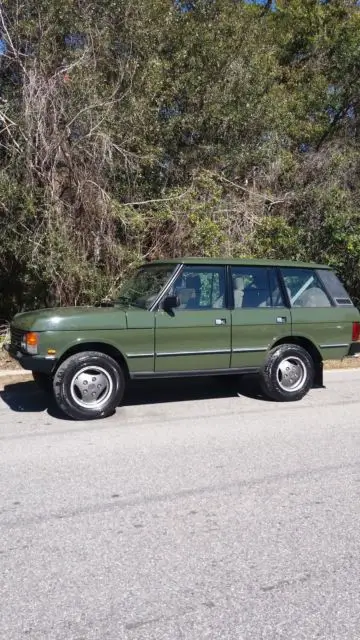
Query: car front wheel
288, 373
89, 385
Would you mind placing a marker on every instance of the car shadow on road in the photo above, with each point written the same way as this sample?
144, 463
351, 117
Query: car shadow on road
25, 397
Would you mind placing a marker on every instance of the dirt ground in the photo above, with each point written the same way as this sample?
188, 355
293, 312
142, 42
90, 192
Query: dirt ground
6, 381
8, 363
347, 363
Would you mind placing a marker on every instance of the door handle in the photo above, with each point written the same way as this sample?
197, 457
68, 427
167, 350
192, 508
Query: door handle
281, 320
219, 321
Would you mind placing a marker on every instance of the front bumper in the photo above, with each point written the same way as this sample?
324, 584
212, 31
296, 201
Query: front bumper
40, 364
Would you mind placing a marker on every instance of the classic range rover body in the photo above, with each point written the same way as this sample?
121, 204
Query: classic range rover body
191, 317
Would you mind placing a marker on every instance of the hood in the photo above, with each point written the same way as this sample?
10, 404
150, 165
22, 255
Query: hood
72, 319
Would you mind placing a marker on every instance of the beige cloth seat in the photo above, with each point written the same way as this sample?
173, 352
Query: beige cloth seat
239, 286
185, 294
276, 299
313, 297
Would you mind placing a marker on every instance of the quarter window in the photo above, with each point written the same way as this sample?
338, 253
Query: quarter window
305, 288
335, 287
256, 287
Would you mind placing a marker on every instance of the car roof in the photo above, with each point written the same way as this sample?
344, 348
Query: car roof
238, 262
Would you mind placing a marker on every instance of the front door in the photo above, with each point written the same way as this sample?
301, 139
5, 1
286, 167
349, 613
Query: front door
259, 318
197, 335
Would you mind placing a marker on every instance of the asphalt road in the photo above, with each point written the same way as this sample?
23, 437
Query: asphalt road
190, 515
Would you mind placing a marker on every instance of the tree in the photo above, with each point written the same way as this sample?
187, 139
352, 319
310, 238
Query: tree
145, 129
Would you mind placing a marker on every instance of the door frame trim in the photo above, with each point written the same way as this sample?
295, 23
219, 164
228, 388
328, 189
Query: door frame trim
283, 289
205, 352
156, 304
140, 355
142, 375
249, 350
334, 346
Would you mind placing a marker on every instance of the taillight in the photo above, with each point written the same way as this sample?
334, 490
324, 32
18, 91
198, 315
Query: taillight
355, 331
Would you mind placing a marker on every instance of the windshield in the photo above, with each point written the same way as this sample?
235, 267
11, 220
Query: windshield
145, 285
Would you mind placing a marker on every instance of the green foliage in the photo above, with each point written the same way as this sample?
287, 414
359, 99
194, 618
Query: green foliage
134, 130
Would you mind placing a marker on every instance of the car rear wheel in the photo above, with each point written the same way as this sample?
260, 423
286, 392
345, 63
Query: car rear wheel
288, 373
89, 385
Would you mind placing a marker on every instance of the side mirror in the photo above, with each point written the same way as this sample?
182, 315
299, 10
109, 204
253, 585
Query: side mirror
170, 303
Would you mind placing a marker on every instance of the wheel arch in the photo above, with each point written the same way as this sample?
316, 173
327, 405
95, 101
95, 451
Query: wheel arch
312, 349
102, 347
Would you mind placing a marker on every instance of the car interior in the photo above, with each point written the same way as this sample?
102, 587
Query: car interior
250, 291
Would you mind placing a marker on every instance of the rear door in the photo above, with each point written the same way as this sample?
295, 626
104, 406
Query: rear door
260, 316
316, 314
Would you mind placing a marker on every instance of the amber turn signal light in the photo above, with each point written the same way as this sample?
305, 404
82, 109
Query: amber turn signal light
32, 339
30, 342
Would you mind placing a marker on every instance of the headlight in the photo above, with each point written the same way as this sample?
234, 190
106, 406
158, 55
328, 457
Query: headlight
30, 343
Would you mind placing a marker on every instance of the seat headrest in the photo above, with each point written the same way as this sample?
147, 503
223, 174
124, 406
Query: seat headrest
185, 295
193, 282
239, 283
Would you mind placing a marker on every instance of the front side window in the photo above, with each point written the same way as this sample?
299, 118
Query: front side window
143, 288
305, 288
200, 288
255, 287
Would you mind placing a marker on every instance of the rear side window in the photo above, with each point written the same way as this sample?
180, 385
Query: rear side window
305, 288
255, 287
335, 288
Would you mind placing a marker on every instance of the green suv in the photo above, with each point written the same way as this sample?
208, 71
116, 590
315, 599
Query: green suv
192, 317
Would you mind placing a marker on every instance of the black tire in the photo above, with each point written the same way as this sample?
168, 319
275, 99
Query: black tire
89, 385
288, 373
44, 382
